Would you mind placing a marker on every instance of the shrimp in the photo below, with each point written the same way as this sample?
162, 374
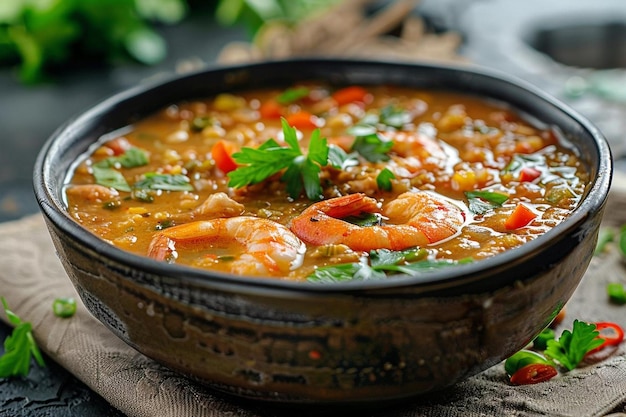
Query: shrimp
92, 192
419, 150
414, 219
216, 205
265, 247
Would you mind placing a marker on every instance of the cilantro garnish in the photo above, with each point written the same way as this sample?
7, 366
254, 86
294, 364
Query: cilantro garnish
372, 147
381, 261
291, 95
301, 171
19, 347
480, 202
383, 179
570, 349
165, 182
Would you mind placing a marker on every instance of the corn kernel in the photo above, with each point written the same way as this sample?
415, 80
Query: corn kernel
170, 156
137, 210
463, 180
213, 132
228, 102
161, 215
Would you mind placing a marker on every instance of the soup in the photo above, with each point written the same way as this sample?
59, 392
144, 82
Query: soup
322, 183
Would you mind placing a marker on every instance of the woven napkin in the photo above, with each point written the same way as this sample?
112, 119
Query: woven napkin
31, 277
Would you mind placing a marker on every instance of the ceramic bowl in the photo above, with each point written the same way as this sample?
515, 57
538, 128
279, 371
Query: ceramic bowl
358, 342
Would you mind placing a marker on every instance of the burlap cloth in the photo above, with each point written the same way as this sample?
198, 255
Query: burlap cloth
31, 277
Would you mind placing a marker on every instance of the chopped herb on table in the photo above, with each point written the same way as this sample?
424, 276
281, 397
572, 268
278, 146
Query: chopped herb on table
608, 238
19, 347
567, 352
64, 307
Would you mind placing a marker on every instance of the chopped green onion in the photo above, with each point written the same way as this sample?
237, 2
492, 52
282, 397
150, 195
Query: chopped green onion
616, 292
292, 95
64, 307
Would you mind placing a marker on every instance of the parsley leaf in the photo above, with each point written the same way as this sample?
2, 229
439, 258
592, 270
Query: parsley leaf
133, 157
302, 171
105, 173
364, 219
382, 257
372, 147
110, 177
338, 158
570, 349
19, 347
383, 179
395, 116
409, 261
165, 182
481, 202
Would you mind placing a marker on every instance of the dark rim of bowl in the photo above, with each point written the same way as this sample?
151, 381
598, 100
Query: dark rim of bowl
52, 206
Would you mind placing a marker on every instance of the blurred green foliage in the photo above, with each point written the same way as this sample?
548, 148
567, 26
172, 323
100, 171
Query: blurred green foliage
253, 14
38, 35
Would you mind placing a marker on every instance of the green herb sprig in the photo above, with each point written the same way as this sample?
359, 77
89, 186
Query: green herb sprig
19, 347
570, 349
301, 172
39, 35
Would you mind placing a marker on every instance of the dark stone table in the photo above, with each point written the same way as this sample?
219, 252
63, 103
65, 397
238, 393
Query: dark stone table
497, 34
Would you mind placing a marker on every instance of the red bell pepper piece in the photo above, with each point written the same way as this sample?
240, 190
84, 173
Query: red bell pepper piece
521, 216
222, 155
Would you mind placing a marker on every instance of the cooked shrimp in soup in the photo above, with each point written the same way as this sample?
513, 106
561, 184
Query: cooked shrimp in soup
310, 183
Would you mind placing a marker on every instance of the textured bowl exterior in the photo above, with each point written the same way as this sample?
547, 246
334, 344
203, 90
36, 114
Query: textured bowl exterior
344, 343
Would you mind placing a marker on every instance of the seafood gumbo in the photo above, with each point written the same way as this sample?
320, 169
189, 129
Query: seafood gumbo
322, 183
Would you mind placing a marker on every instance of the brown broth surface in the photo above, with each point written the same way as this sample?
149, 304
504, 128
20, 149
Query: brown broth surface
439, 147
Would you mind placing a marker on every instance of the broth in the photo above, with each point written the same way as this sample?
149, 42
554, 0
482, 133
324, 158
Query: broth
323, 183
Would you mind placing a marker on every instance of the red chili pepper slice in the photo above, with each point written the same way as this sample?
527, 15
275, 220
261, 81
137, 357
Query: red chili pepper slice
533, 374
611, 334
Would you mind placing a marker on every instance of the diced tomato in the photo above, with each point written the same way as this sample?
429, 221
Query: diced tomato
271, 110
528, 174
533, 373
611, 333
301, 120
119, 146
521, 216
349, 95
222, 153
